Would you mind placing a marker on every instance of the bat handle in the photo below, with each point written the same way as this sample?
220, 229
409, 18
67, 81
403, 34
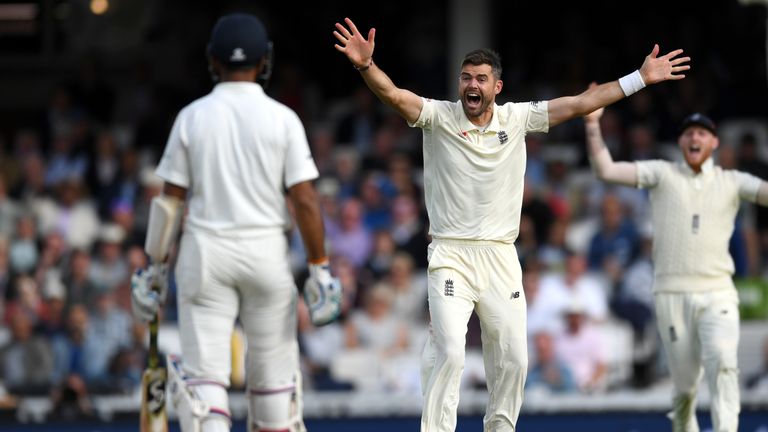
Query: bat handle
153, 358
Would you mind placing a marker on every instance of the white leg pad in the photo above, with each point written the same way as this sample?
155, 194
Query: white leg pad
276, 409
201, 405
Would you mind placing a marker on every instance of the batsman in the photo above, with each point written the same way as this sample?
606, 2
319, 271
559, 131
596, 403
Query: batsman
230, 157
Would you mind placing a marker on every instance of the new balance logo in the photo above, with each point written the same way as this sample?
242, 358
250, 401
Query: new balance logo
448, 288
503, 138
237, 55
515, 295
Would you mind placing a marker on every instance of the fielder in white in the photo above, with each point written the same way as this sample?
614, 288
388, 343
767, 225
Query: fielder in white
231, 155
693, 207
474, 165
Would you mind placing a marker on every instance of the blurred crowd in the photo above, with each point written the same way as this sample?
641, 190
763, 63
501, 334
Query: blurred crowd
74, 192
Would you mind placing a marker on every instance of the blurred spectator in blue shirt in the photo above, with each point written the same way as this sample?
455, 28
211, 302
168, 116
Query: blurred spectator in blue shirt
548, 371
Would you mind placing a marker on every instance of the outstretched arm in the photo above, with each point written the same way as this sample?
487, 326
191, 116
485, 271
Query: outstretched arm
654, 69
762, 193
360, 52
600, 158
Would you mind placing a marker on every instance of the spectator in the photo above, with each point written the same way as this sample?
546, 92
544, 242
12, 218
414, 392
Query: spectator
53, 321
80, 366
73, 215
375, 195
537, 315
103, 171
583, 350
537, 209
575, 284
27, 299
357, 127
617, 236
548, 371
408, 230
554, 252
80, 288
27, 361
24, 252
352, 240
109, 268
111, 325
128, 364
410, 291
376, 327
380, 260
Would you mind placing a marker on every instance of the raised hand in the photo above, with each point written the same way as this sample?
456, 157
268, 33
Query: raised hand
358, 49
667, 67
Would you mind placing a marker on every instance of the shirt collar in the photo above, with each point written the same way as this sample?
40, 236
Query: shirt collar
238, 86
706, 167
467, 125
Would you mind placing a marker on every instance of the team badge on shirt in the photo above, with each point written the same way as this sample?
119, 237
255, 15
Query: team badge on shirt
503, 137
449, 288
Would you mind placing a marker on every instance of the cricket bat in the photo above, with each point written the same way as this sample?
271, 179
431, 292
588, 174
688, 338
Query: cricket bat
153, 416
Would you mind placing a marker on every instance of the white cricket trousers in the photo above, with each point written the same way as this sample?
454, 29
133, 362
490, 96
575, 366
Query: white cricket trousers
220, 279
483, 276
701, 329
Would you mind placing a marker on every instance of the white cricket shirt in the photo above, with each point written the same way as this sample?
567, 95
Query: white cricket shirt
473, 180
693, 218
237, 150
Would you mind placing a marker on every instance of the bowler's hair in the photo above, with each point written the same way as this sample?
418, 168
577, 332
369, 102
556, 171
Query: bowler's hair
484, 56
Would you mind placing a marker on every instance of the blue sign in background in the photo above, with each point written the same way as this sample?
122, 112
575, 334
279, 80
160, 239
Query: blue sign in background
751, 421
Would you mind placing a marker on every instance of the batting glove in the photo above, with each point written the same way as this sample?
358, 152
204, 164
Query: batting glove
149, 287
322, 293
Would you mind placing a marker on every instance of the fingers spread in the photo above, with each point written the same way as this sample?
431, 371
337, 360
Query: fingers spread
343, 30
341, 38
351, 25
674, 53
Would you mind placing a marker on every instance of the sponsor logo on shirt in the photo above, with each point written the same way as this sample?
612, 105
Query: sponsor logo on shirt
515, 294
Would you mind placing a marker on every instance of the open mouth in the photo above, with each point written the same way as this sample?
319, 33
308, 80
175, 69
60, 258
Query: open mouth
473, 99
694, 150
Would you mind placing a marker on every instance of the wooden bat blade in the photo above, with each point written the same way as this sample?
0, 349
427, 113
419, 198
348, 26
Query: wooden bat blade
153, 416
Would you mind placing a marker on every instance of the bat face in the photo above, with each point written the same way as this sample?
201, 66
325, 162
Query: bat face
155, 390
153, 414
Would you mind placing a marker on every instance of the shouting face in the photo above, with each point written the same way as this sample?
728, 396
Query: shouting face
478, 88
697, 144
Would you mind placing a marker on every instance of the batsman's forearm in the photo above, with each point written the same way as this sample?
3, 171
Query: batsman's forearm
310, 221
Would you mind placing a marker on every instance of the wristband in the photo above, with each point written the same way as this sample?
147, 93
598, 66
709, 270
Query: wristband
363, 68
631, 83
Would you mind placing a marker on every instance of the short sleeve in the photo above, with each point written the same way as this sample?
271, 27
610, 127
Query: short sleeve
427, 115
299, 164
174, 165
748, 185
537, 119
649, 173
